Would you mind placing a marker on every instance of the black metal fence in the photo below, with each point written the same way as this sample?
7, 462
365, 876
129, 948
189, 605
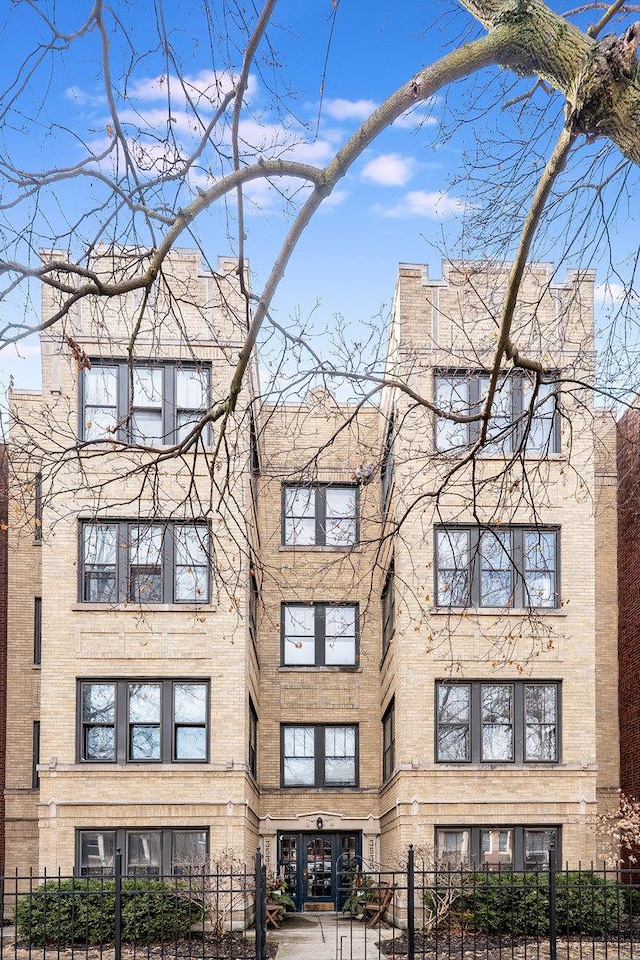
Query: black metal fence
218, 915
415, 911
422, 912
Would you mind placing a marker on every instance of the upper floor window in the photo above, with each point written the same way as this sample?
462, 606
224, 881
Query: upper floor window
496, 567
322, 516
319, 634
148, 404
319, 756
145, 563
388, 599
517, 419
387, 466
497, 848
389, 742
124, 721
147, 853
497, 722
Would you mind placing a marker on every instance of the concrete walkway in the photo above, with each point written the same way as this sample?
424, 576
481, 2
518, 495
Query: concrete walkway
326, 936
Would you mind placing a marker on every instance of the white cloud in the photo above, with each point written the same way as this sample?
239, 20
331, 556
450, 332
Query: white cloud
420, 203
389, 169
209, 85
610, 293
84, 99
340, 109
335, 199
417, 116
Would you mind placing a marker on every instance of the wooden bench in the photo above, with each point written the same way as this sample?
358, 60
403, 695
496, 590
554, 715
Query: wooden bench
374, 909
274, 911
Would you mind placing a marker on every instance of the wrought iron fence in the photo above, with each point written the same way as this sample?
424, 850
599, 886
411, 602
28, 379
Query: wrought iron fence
423, 912
218, 915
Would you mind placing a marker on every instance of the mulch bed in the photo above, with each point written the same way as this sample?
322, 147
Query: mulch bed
232, 946
471, 945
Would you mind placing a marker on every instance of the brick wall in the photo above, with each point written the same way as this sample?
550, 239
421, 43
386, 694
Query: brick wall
4, 513
629, 599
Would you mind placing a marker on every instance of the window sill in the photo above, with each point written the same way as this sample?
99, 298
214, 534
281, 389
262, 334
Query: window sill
144, 607
498, 611
312, 668
318, 548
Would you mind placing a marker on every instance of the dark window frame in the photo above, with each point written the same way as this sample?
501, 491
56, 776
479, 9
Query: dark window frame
388, 606
510, 439
516, 556
37, 631
35, 756
125, 408
519, 836
387, 466
122, 567
389, 741
475, 723
320, 491
167, 724
121, 837
320, 637
37, 508
319, 756
253, 740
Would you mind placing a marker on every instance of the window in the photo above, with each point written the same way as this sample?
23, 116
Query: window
387, 467
389, 742
321, 516
126, 721
319, 756
148, 404
35, 756
144, 563
388, 607
253, 740
148, 853
37, 630
38, 508
497, 848
496, 567
319, 634
514, 421
486, 722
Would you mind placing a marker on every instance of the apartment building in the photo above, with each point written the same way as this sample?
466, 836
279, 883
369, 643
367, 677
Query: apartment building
352, 637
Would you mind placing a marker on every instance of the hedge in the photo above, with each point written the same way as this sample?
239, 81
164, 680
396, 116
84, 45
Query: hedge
507, 902
83, 911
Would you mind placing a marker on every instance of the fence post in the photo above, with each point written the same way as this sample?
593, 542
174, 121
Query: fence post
261, 911
553, 945
118, 905
411, 916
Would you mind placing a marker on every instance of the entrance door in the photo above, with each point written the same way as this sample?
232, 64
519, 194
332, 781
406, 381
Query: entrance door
314, 866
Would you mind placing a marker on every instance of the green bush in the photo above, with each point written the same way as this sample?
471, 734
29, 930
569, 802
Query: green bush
518, 903
83, 911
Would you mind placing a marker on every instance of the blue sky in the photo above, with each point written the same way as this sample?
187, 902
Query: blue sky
399, 203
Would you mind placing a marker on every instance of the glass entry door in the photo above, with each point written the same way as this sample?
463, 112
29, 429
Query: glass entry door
313, 866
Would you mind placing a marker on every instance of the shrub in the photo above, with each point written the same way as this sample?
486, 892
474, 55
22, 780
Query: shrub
83, 911
519, 903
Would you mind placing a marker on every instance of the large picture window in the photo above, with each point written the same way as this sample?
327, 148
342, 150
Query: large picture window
325, 516
319, 756
144, 563
518, 420
487, 722
319, 634
497, 847
127, 721
150, 404
496, 567
147, 853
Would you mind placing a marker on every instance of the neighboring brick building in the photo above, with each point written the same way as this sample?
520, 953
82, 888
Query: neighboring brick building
271, 654
629, 598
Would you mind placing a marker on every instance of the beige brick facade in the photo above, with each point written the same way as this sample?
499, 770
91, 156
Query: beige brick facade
569, 645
